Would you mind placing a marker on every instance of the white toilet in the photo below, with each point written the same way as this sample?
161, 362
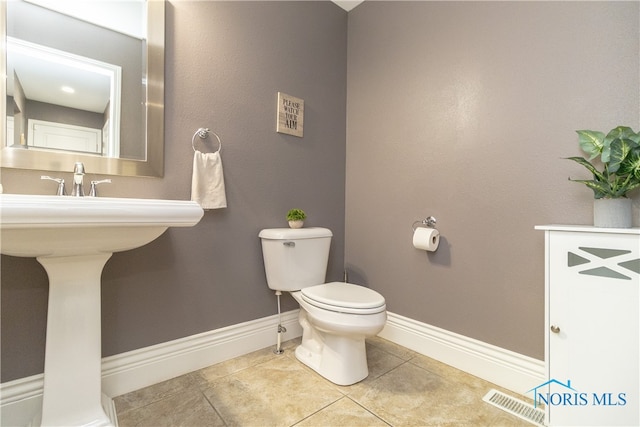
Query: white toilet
335, 317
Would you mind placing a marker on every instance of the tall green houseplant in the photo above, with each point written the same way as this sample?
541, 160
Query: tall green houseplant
619, 152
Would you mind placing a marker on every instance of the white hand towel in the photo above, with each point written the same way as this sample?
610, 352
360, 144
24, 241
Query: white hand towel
207, 183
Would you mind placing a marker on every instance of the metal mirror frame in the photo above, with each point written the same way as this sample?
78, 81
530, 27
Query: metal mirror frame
153, 166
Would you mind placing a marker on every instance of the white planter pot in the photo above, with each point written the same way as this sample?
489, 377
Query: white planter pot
612, 213
296, 224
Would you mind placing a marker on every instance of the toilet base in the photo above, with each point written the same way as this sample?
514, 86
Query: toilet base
342, 359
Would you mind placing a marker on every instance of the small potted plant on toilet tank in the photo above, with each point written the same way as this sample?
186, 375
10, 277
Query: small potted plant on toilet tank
296, 218
619, 156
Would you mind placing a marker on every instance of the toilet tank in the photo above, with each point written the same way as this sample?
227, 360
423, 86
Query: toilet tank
295, 258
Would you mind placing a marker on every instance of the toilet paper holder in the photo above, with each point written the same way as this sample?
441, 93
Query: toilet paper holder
427, 222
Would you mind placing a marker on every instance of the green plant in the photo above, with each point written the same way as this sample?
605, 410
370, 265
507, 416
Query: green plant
296, 215
619, 153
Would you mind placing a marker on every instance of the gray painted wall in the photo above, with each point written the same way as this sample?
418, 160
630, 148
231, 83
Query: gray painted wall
225, 63
464, 111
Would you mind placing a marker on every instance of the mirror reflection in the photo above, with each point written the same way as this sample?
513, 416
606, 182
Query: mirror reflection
65, 91
77, 85
61, 101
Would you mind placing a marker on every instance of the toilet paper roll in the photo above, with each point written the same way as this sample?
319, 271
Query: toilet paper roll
426, 239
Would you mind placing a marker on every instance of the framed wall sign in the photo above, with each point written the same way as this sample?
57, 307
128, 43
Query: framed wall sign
290, 115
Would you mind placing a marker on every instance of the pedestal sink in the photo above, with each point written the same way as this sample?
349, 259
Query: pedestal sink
73, 237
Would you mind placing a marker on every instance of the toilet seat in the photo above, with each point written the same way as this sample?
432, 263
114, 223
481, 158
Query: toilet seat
344, 298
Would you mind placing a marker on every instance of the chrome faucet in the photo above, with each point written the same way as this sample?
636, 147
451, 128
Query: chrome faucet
78, 178
78, 181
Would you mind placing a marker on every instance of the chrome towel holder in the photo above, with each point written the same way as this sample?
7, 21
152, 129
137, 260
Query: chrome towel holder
427, 222
203, 133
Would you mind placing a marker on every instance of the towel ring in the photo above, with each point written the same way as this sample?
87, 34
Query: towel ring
203, 133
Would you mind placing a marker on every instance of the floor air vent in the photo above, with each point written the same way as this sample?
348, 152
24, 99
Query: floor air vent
515, 407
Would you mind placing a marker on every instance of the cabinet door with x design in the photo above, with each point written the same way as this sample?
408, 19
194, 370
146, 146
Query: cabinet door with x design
592, 326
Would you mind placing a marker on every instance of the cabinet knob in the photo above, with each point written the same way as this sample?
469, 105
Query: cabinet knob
555, 329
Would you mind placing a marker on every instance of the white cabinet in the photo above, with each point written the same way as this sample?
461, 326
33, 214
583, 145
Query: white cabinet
592, 344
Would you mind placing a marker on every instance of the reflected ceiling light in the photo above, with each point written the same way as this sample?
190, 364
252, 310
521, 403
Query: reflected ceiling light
68, 89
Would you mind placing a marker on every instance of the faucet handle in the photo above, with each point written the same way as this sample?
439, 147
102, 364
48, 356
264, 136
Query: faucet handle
61, 190
92, 191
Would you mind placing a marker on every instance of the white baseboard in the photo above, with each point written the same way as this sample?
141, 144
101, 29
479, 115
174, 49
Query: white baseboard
21, 399
505, 368
136, 369
122, 373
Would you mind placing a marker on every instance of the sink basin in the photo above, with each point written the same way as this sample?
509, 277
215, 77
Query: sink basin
35, 226
73, 238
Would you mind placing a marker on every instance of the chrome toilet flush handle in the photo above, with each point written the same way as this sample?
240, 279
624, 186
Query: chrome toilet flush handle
289, 244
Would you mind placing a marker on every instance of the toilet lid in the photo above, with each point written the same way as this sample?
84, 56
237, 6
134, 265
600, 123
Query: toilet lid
344, 297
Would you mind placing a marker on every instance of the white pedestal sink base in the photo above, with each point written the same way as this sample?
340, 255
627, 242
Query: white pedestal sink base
72, 394
73, 237
107, 404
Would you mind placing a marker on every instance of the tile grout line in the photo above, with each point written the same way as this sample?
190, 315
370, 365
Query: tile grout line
370, 411
213, 407
319, 410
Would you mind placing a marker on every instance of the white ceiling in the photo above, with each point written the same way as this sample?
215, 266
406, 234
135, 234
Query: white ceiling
347, 4
43, 72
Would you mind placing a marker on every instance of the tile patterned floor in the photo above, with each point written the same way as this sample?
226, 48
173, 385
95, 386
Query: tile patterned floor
259, 389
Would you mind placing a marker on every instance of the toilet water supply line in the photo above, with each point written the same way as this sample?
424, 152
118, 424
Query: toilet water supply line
281, 329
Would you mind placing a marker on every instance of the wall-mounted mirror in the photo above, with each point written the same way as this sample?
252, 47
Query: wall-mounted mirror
84, 82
